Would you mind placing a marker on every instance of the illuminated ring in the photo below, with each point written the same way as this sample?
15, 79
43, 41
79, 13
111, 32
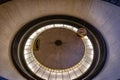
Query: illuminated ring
87, 68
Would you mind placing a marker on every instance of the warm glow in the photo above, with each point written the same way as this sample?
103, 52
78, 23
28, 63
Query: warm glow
64, 74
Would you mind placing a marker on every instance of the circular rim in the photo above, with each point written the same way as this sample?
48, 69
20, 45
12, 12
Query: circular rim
94, 35
77, 68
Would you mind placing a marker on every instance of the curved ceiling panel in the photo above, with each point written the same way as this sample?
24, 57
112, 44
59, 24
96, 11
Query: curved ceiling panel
104, 16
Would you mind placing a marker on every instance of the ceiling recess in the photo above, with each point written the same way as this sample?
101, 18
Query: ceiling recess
58, 47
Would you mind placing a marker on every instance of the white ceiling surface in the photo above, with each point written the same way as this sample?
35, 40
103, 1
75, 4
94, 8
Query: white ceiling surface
104, 16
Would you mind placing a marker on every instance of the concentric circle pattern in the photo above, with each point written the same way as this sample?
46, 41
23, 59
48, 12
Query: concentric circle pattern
51, 48
78, 68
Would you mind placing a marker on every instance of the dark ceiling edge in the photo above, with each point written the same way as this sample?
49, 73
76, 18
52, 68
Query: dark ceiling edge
4, 1
2, 78
114, 2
